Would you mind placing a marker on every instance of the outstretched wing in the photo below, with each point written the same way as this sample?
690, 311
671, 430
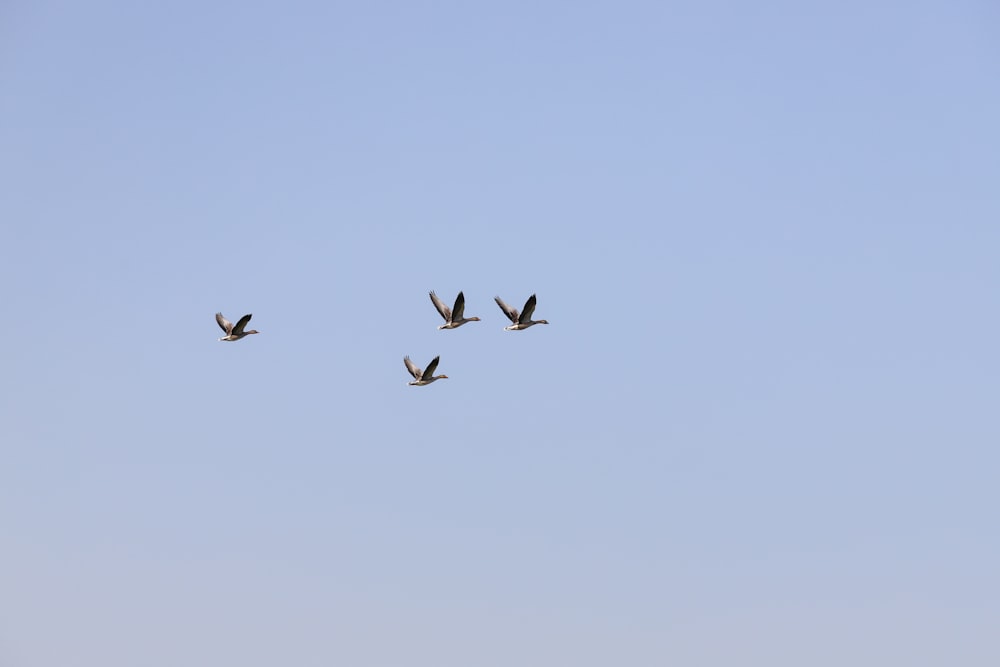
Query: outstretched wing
226, 325
529, 309
238, 329
441, 308
414, 371
511, 313
431, 367
459, 310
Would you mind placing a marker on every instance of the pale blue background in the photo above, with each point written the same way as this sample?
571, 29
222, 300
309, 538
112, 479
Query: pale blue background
762, 428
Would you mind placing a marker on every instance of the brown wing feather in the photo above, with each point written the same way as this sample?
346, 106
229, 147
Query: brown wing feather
458, 312
225, 324
507, 310
431, 367
238, 329
441, 308
410, 366
529, 309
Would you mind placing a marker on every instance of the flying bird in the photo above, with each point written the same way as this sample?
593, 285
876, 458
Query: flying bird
421, 378
234, 332
455, 317
520, 320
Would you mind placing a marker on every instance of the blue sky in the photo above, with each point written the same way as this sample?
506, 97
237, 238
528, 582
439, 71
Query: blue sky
761, 428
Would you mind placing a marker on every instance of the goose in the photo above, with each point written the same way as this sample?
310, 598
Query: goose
522, 321
421, 378
452, 318
237, 332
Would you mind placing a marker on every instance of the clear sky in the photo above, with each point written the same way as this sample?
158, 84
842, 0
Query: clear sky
761, 429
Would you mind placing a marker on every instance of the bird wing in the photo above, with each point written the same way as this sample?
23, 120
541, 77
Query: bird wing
226, 325
238, 329
459, 310
441, 308
431, 367
529, 309
414, 371
507, 310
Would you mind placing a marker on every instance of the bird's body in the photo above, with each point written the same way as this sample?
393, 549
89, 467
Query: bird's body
423, 377
522, 320
455, 317
234, 332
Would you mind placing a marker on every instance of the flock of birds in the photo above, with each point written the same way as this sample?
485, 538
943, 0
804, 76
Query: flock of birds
454, 317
